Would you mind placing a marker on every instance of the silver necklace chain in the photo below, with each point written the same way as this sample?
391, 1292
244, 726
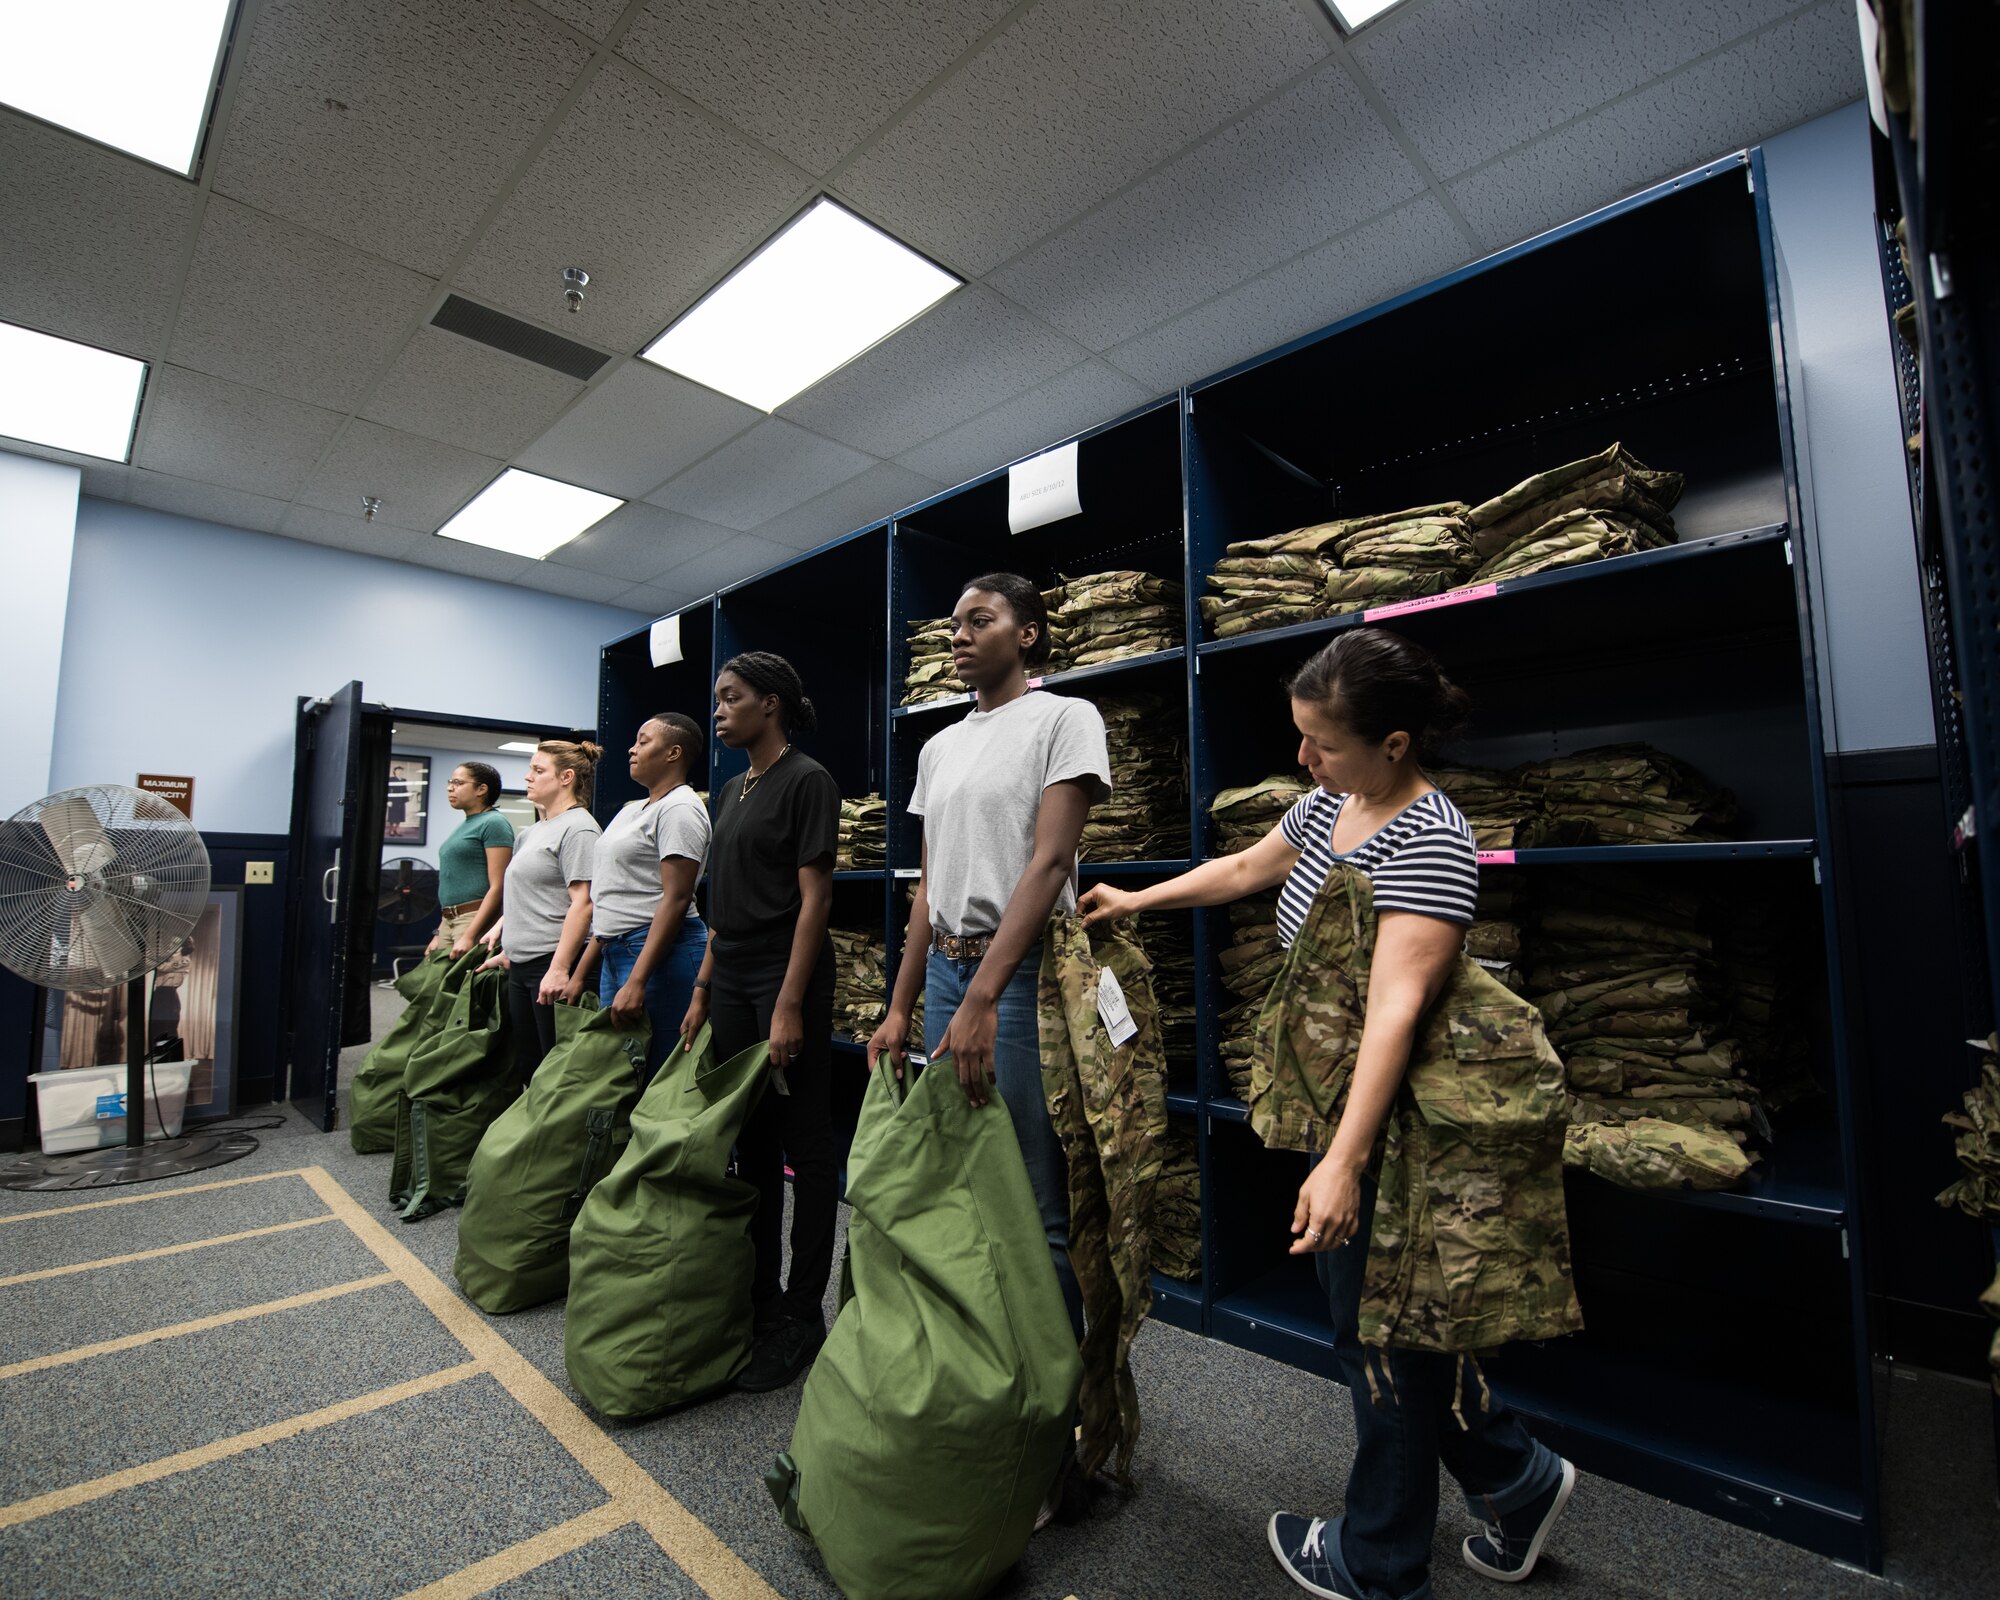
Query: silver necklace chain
752, 779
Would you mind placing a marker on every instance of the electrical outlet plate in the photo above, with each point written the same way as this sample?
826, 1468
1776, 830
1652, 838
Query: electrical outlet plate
257, 871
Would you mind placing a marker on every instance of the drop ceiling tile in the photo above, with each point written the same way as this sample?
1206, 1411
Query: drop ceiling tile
760, 475
278, 308
1080, 398
1072, 101
958, 359
571, 583
884, 488
90, 241
1302, 168
655, 601
1781, 77
809, 78
1408, 247
341, 532
460, 392
644, 193
208, 429
1469, 79
742, 557
594, 17
636, 429
207, 501
638, 541
391, 125
419, 481
467, 560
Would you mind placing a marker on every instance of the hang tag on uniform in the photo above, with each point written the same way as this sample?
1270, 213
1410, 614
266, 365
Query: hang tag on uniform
1112, 1010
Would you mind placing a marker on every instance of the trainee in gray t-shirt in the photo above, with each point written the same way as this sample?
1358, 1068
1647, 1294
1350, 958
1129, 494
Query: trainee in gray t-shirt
625, 888
548, 857
979, 789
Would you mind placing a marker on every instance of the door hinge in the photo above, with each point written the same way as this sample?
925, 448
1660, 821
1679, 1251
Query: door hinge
1816, 875
1844, 1253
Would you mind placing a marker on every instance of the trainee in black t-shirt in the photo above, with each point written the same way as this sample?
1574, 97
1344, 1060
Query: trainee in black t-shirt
790, 819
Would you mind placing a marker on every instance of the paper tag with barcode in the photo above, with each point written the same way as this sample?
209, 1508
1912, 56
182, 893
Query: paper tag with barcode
1111, 1008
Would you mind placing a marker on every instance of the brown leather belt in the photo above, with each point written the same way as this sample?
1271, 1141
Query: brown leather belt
961, 947
460, 909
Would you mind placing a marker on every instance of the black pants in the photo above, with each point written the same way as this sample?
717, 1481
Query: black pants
795, 1127
533, 1024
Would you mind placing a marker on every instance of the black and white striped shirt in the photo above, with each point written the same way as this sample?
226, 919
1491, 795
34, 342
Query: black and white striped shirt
1422, 860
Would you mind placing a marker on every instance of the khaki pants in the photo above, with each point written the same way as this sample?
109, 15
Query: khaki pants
449, 928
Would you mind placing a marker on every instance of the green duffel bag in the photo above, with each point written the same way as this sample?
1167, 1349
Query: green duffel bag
457, 1082
933, 1422
541, 1158
371, 1099
660, 1257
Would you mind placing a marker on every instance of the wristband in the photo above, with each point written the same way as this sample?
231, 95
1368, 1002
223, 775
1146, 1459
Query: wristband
701, 983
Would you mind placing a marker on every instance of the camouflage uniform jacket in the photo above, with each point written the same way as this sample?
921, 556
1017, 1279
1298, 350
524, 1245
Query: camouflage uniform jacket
1109, 1107
1470, 1244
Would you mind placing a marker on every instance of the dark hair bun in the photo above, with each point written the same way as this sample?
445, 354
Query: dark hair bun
1385, 684
805, 716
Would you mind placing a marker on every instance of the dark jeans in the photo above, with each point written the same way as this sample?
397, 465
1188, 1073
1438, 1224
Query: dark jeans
1383, 1543
669, 986
794, 1127
533, 1024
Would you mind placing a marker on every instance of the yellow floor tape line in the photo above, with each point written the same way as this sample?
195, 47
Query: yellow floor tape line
140, 1199
518, 1559
163, 1250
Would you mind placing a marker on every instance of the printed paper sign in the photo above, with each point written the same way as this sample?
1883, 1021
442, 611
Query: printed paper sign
1043, 489
1431, 602
666, 641
1111, 1008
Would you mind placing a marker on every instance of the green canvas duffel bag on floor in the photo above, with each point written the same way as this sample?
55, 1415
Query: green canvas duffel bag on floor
371, 1098
660, 1257
458, 1080
542, 1157
934, 1420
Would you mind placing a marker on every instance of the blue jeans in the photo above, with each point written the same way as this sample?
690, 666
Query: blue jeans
1382, 1546
669, 986
1017, 1069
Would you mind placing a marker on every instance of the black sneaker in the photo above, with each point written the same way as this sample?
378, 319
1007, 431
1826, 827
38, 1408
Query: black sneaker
766, 1317
1299, 1543
1508, 1549
782, 1354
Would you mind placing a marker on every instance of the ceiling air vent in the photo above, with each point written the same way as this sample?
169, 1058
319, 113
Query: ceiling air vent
489, 327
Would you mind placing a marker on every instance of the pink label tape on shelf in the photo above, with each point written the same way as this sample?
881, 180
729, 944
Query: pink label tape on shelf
1431, 602
1496, 858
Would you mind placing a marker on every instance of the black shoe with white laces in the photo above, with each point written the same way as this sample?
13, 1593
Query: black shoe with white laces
1508, 1549
1299, 1543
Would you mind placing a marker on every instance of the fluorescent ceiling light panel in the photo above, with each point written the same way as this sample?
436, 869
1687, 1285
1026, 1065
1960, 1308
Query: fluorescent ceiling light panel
824, 289
68, 396
133, 74
526, 514
1353, 15
520, 747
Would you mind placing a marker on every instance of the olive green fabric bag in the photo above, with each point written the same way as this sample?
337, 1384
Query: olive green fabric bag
458, 1080
935, 1417
660, 1257
541, 1158
371, 1098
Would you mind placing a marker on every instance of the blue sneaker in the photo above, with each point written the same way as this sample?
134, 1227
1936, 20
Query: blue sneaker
1508, 1549
1299, 1543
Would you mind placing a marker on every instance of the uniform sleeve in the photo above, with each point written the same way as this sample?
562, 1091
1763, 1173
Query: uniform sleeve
1435, 873
684, 832
576, 854
1296, 823
1077, 749
816, 816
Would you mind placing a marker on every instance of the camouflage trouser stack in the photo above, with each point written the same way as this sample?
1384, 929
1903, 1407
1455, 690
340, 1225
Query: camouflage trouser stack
1977, 1192
1240, 817
1503, 813
1176, 1222
1496, 938
1168, 938
931, 675
1425, 550
860, 997
1248, 965
1113, 616
1146, 817
1630, 794
1609, 504
864, 834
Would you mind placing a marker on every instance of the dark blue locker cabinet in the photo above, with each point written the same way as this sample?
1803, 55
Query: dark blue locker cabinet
630, 689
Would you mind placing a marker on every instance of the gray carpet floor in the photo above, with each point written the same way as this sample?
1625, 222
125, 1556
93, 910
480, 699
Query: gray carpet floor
385, 1500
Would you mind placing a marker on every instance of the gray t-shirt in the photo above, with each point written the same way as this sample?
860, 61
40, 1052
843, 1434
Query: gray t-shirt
548, 857
979, 790
625, 889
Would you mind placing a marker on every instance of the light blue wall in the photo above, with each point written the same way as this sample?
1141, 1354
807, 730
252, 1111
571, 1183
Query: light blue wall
37, 528
1869, 617
188, 645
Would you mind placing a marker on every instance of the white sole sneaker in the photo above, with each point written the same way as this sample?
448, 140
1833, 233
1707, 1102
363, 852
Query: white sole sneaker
1563, 1492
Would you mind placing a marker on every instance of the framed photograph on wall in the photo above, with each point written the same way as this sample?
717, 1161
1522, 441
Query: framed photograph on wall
513, 805
192, 1005
407, 819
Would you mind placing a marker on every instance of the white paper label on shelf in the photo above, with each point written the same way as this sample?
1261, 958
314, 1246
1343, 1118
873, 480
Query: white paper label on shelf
1111, 1008
666, 641
1043, 489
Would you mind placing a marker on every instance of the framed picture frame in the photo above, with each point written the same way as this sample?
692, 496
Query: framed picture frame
513, 805
406, 814
193, 1011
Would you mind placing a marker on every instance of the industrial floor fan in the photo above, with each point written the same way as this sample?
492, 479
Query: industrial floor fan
98, 886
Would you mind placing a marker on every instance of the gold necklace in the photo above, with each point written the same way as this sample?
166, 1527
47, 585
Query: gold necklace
751, 779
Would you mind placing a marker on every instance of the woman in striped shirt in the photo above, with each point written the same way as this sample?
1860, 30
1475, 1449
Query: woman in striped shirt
1366, 707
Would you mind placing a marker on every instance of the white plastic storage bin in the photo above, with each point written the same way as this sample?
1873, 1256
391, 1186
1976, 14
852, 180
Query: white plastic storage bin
84, 1107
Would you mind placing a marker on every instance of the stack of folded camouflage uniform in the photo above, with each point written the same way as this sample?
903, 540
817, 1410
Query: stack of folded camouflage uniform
1761, 946
1270, 583
1631, 794
1249, 965
860, 995
1176, 1213
1609, 504
931, 675
1146, 816
1977, 1146
1504, 814
1113, 616
1495, 939
864, 834
1240, 817
1168, 938
1423, 551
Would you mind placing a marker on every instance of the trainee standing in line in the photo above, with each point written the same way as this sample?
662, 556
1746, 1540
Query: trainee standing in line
548, 893
473, 861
